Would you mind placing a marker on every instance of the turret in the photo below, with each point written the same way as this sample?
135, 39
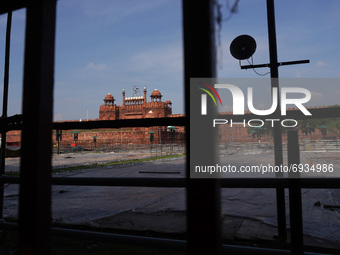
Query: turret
123, 97
156, 95
144, 96
109, 99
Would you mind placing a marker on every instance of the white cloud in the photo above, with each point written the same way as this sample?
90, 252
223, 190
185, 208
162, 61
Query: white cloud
60, 83
57, 117
3, 21
320, 63
92, 66
113, 11
139, 7
162, 59
298, 75
317, 94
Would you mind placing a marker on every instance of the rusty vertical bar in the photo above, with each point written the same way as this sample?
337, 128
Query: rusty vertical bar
203, 195
4, 107
35, 167
274, 75
295, 199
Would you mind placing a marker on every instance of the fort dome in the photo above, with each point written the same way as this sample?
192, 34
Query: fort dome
156, 93
108, 97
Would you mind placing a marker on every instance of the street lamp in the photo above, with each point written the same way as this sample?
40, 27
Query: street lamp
95, 141
75, 137
323, 130
151, 138
266, 133
307, 128
258, 133
253, 134
172, 134
59, 137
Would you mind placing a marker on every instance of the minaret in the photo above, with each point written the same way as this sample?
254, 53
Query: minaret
123, 98
144, 96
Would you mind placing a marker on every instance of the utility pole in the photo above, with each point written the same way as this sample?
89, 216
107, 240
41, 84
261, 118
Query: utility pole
274, 75
243, 53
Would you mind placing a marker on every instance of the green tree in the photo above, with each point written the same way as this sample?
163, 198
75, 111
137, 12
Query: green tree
258, 132
332, 126
308, 127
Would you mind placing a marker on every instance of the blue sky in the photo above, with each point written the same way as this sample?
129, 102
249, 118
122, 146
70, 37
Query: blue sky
105, 46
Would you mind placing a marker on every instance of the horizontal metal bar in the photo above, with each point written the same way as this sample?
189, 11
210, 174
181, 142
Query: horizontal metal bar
255, 66
152, 242
296, 62
278, 64
245, 250
130, 240
11, 123
305, 183
8, 226
15, 122
122, 182
9, 179
328, 112
12, 5
122, 239
158, 172
175, 121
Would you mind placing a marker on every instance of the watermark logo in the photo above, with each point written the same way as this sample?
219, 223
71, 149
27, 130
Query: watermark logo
204, 97
239, 100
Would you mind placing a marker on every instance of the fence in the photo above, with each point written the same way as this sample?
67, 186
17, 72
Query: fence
152, 149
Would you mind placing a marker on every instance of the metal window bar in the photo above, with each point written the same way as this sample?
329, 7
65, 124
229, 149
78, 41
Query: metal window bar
246, 183
154, 242
204, 223
4, 107
15, 122
36, 162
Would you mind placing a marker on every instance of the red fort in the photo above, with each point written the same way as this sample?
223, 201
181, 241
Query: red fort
135, 107
139, 107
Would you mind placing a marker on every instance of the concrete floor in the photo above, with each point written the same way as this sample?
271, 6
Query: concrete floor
246, 213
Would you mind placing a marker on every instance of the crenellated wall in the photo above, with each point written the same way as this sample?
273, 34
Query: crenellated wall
136, 107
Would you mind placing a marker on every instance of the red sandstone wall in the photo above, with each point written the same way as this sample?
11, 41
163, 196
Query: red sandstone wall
135, 111
111, 138
141, 135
